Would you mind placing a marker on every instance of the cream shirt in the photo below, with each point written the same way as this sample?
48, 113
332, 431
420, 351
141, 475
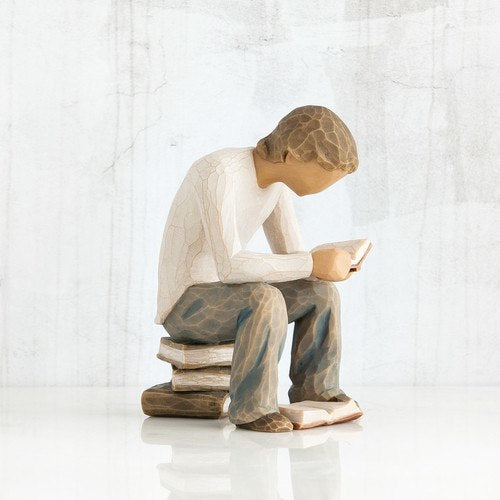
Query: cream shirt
217, 209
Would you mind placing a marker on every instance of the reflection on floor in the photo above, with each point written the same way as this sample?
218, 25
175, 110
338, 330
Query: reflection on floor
95, 443
219, 461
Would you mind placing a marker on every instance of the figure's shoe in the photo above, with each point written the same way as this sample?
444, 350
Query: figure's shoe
272, 422
341, 398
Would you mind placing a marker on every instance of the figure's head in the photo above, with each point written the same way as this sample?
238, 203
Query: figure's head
312, 148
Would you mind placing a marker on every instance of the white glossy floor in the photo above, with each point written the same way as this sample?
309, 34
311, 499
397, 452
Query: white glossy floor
94, 443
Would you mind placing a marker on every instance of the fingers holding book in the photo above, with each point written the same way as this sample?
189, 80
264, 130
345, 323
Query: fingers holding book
337, 261
331, 264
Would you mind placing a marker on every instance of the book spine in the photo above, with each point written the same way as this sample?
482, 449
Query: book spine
199, 386
193, 404
192, 365
213, 378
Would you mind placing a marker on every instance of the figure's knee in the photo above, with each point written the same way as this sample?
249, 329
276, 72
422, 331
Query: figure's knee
263, 294
269, 307
324, 293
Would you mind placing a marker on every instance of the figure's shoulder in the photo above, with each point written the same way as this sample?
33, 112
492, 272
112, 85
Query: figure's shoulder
223, 161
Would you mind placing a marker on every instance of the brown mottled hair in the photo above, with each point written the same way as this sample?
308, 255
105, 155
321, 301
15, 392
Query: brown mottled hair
311, 133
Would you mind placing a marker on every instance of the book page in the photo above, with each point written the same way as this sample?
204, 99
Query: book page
332, 408
356, 248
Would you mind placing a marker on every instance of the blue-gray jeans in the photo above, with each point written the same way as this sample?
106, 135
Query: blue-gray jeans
255, 317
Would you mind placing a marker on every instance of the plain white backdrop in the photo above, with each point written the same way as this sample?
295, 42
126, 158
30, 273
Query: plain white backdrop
105, 105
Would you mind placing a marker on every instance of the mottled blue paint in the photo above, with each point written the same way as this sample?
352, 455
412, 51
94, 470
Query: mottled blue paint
314, 352
322, 328
244, 314
195, 306
254, 375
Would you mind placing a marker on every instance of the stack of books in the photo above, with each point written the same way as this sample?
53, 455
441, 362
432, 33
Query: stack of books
200, 388
199, 385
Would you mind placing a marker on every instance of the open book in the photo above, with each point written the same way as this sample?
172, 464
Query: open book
306, 414
358, 249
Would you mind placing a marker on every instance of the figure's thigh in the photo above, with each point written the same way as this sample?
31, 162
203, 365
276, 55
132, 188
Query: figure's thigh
208, 312
302, 296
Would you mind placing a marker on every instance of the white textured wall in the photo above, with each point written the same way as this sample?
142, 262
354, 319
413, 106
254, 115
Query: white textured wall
104, 105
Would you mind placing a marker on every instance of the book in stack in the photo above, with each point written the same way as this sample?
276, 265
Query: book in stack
199, 385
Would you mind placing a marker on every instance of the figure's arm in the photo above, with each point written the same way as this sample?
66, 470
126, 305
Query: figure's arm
235, 265
283, 234
281, 227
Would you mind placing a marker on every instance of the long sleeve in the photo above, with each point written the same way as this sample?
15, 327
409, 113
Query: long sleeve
281, 227
217, 200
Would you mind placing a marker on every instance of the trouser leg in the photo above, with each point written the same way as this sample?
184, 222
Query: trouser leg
254, 316
314, 306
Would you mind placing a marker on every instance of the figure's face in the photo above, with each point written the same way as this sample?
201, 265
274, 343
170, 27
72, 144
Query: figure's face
308, 177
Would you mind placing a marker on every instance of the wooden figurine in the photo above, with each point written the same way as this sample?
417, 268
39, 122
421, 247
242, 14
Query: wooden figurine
212, 290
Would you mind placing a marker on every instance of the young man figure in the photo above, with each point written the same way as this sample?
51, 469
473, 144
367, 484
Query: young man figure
212, 290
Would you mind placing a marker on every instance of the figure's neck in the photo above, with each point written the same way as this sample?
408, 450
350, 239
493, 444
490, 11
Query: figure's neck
265, 170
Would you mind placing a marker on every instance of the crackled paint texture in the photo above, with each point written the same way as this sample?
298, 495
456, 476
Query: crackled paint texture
105, 106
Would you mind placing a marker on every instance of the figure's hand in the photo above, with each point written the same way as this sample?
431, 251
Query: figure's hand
331, 264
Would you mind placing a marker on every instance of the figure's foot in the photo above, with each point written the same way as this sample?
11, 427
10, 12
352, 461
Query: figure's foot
272, 422
340, 398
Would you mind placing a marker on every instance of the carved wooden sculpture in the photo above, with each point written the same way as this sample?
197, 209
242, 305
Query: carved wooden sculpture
212, 290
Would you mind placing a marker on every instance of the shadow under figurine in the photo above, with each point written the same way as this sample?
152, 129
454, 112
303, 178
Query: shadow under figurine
213, 291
